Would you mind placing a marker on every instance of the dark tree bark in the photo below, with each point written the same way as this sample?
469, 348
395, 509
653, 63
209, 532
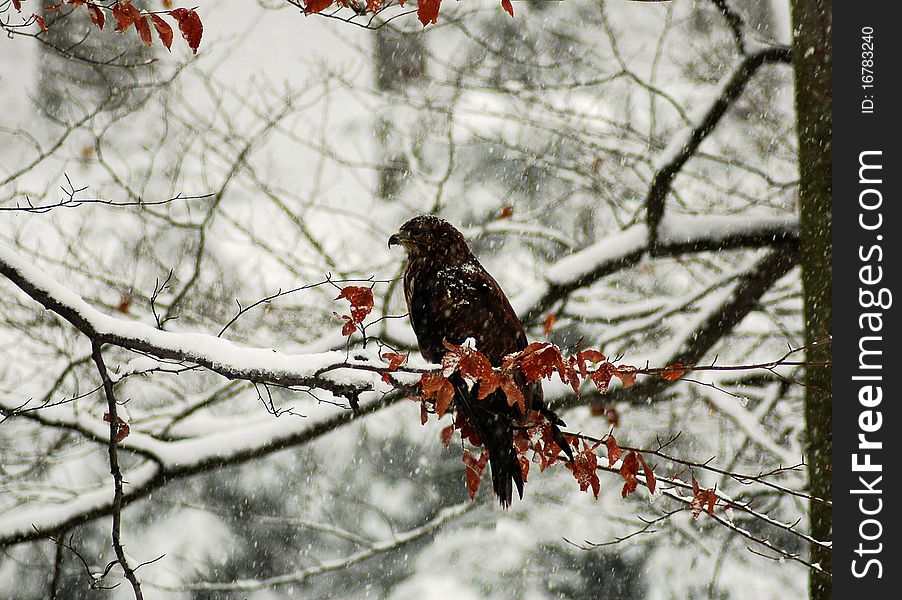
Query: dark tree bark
812, 23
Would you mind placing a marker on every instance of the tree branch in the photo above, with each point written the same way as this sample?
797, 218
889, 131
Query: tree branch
116, 509
684, 144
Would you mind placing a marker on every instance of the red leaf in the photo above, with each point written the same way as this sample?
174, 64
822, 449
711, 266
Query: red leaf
40, 21
473, 366
584, 468
424, 413
163, 30
542, 361
467, 432
628, 471
695, 505
125, 14
614, 450
608, 412
507, 211
475, 469
549, 324
192, 30
315, 6
514, 394
701, 499
650, 480
373, 5
122, 428
143, 30
674, 372
394, 360
125, 303
446, 434
437, 386
547, 447
348, 328
53, 7
488, 385
361, 299
97, 16
601, 377
17, 4
431, 383
522, 439
592, 356
427, 11
712, 499
506, 5
524, 466
443, 400
626, 374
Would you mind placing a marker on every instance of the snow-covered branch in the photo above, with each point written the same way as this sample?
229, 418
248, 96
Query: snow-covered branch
334, 371
720, 315
676, 235
684, 144
171, 461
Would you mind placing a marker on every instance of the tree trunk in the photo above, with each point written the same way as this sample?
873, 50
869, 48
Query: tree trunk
400, 60
812, 23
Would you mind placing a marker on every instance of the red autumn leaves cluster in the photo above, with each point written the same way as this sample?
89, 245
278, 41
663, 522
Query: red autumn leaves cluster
127, 15
427, 10
629, 468
585, 467
702, 499
537, 437
474, 368
361, 299
539, 360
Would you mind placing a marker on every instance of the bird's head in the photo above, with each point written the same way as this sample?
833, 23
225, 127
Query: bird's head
428, 235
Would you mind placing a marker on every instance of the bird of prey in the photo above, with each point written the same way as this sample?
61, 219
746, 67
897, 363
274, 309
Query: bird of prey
451, 297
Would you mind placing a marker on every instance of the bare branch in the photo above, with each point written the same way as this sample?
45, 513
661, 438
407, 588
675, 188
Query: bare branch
115, 471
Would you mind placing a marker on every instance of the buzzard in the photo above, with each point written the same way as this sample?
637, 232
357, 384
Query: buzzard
451, 297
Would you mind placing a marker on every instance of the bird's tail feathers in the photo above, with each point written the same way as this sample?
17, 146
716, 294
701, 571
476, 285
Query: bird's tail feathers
505, 468
497, 437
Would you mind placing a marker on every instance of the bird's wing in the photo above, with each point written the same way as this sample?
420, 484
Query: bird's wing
456, 302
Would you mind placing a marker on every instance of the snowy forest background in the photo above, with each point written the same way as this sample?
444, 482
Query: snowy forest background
630, 168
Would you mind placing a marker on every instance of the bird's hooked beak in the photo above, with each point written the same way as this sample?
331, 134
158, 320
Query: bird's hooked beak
398, 239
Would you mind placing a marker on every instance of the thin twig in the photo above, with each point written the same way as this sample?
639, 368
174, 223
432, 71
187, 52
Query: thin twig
115, 471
